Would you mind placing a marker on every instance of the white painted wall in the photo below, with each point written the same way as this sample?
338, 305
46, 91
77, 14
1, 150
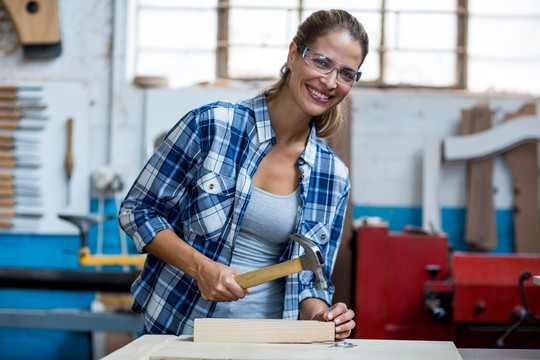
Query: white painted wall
389, 131
86, 37
75, 85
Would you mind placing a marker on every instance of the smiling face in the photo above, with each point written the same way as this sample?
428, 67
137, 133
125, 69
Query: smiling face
313, 92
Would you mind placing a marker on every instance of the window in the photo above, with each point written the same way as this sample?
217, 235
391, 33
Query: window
176, 39
503, 53
462, 44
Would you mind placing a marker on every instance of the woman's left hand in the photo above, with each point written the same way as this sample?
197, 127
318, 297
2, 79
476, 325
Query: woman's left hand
341, 316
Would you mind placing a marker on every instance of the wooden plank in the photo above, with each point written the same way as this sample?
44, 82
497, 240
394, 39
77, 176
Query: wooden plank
142, 348
37, 26
262, 331
183, 348
480, 224
523, 161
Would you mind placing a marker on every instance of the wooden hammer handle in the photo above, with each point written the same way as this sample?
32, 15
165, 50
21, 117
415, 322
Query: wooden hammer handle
260, 276
269, 273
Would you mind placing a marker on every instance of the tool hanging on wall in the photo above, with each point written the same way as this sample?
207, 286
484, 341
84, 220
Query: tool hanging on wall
15, 141
69, 160
17, 115
19, 201
10, 188
10, 161
18, 89
26, 201
16, 176
21, 122
13, 97
17, 106
37, 26
21, 101
11, 223
21, 125
19, 189
20, 212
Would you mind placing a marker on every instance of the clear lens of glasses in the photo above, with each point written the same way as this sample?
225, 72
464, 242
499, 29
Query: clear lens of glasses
325, 65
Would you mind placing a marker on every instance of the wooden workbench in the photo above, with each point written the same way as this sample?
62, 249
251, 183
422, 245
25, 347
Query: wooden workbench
154, 347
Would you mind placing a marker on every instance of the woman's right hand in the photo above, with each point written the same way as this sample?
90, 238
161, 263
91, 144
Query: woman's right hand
216, 282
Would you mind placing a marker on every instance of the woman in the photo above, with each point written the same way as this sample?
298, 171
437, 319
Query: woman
231, 181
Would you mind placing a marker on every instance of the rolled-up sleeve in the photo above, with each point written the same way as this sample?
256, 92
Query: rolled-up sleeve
161, 184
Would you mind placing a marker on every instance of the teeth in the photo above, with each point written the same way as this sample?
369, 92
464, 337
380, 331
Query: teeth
318, 94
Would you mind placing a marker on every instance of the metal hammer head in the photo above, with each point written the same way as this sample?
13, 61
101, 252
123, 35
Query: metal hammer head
312, 260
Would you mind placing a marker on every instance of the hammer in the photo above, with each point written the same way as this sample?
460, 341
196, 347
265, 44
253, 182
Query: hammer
312, 260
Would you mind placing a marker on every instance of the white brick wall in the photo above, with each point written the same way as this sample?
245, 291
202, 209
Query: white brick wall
388, 133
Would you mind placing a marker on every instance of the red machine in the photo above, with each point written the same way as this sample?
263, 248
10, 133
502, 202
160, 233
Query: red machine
410, 286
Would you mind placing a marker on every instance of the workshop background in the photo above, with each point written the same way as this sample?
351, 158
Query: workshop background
87, 89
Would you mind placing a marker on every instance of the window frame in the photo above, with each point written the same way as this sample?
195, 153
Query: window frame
460, 50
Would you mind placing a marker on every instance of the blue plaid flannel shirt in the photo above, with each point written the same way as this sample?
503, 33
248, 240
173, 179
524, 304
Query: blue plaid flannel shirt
198, 183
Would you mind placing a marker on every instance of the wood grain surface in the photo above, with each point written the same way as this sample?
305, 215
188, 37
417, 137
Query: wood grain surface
170, 347
263, 331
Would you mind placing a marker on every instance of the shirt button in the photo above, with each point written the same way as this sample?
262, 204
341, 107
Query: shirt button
301, 162
323, 237
211, 186
301, 177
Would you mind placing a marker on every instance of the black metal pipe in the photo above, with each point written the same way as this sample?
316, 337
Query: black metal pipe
76, 280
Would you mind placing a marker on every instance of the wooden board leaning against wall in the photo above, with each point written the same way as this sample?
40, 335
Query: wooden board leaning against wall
522, 160
480, 223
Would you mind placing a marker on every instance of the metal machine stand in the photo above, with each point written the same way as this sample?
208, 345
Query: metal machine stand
524, 313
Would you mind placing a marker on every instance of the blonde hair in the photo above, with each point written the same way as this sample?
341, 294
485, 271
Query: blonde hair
318, 24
